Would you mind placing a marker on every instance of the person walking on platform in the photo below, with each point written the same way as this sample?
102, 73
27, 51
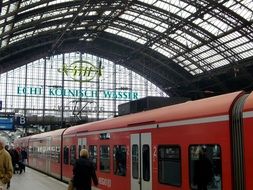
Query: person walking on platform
6, 169
23, 160
84, 172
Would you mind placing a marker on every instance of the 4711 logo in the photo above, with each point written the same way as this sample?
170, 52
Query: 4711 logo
83, 71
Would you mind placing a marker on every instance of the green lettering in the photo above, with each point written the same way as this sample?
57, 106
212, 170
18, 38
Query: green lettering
81, 94
119, 94
125, 96
51, 93
20, 90
70, 92
135, 95
114, 95
94, 93
65, 69
107, 94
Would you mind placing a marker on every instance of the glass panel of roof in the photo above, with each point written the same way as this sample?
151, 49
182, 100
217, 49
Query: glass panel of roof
220, 63
230, 37
243, 48
128, 35
26, 3
13, 7
185, 39
219, 24
106, 13
144, 22
237, 42
247, 54
139, 8
4, 43
149, 19
92, 13
160, 28
193, 67
163, 50
243, 8
180, 59
58, 1
207, 54
34, 8
127, 17
28, 20
111, 30
150, 2
174, 6
208, 24
214, 58
198, 71
141, 41
201, 49
134, 14
4, 10
55, 13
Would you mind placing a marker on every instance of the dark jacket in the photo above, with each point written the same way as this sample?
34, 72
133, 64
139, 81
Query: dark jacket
84, 172
203, 172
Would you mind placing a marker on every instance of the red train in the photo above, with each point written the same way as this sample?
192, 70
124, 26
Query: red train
158, 149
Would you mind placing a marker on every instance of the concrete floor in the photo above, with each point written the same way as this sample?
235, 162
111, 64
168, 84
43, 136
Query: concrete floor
33, 180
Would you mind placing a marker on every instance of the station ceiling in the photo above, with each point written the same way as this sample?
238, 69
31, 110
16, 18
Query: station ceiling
192, 48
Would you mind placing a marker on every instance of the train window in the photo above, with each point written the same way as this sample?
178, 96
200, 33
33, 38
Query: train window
205, 167
66, 155
105, 158
52, 154
135, 161
30, 150
146, 162
119, 160
72, 154
169, 165
93, 154
58, 150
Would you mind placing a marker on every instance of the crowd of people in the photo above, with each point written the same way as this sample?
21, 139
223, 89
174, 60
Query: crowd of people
12, 160
18, 157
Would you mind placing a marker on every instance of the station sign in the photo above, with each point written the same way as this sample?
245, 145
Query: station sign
7, 123
78, 93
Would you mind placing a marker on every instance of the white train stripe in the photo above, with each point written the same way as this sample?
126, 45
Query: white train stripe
195, 121
166, 124
248, 114
142, 127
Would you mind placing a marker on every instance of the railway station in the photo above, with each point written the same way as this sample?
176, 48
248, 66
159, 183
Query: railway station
126, 94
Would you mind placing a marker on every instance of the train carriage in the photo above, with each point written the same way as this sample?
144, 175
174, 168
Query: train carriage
247, 150
160, 149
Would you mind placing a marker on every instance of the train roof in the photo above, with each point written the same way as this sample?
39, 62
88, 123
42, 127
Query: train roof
48, 134
213, 106
248, 106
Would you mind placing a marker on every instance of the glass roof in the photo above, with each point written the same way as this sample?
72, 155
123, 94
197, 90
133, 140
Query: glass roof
198, 35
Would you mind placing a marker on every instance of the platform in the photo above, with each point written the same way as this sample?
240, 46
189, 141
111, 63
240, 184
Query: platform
33, 180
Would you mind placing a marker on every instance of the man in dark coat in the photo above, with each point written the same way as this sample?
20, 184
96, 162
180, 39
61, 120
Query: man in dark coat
84, 172
203, 171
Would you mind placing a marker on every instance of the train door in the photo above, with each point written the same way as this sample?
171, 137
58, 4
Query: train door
82, 143
48, 156
141, 164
